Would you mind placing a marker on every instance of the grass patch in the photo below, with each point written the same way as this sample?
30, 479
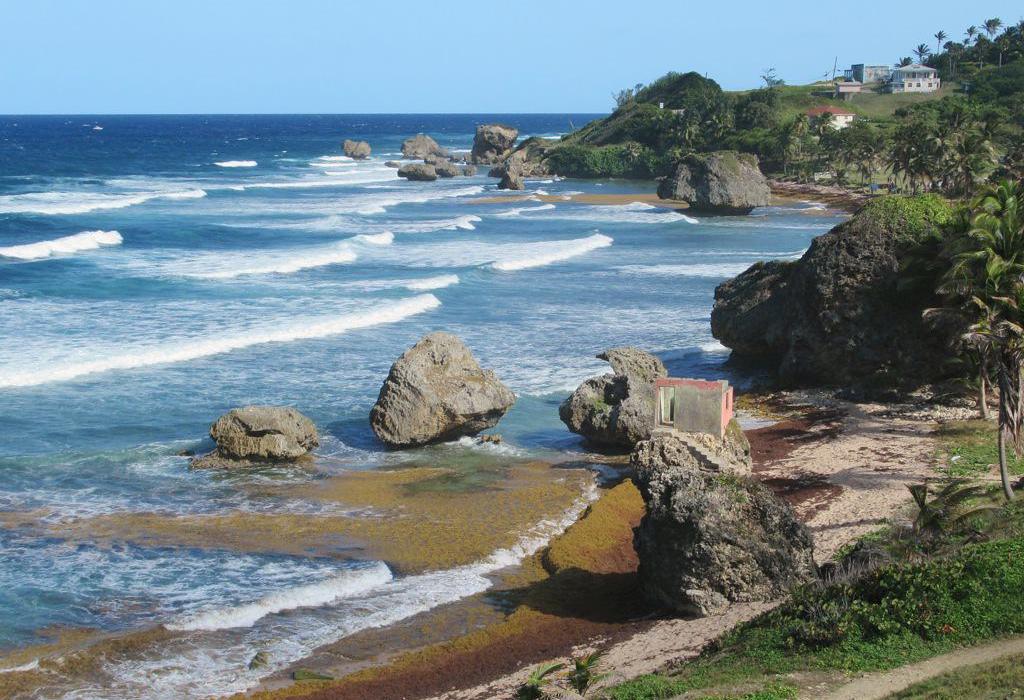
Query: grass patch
994, 680
968, 448
890, 617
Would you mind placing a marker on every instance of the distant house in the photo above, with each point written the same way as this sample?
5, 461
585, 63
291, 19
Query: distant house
693, 405
914, 78
846, 90
841, 118
863, 73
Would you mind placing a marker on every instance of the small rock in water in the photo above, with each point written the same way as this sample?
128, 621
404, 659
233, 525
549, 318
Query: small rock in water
392, 164
418, 171
495, 439
304, 674
259, 434
260, 660
357, 150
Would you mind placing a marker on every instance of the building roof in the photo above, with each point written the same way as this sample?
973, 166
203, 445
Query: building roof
834, 111
848, 82
918, 67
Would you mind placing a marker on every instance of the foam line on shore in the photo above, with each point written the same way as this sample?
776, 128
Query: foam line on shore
86, 240
344, 585
185, 349
59, 203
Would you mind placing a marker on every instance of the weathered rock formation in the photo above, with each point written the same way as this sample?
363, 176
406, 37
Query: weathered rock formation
446, 169
418, 171
392, 164
712, 535
511, 177
722, 182
436, 391
469, 170
839, 315
358, 150
617, 409
259, 434
420, 146
492, 143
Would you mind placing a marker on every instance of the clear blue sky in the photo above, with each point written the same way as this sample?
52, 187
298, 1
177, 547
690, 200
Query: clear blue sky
191, 56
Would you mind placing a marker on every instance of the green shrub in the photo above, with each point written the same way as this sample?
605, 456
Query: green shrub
912, 218
630, 160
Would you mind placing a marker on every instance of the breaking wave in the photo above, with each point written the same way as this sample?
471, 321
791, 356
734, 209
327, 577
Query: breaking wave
345, 585
428, 283
730, 269
86, 240
547, 252
56, 203
519, 211
282, 265
236, 164
185, 349
634, 213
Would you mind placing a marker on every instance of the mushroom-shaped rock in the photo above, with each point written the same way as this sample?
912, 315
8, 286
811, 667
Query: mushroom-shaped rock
420, 146
418, 171
492, 143
712, 535
723, 182
255, 434
617, 409
358, 150
436, 391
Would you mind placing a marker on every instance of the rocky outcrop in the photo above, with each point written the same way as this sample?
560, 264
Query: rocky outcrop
420, 146
469, 170
492, 143
839, 315
357, 150
446, 169
259, 434
511, 177
392, 164
436, 391
723, 182
712, 535
418, 171
617, 409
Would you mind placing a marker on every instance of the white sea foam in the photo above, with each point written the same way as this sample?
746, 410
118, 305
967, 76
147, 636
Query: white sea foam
714, 347
729, 269
345, 585
428, 283
86, 240
236, 164
56, 203
382, 238
519, 211
30, 666
547, 252
184, 349
280, 264
634, 213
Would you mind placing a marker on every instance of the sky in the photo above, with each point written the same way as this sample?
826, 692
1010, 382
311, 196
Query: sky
379, 56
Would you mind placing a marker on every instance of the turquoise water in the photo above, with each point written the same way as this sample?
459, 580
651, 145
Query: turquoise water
220, 261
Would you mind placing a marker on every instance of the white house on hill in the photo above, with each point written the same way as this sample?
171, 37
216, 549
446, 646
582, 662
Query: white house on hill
914, 78
840, 118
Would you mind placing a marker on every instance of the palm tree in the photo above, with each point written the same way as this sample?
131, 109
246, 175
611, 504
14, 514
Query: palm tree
922, 51
905, 61
971, 32
940, 36
989, 271
992, 26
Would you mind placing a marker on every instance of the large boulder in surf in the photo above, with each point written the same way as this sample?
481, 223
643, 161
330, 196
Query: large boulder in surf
469, 170
712, 535
511, 177
492, 143
436, 391
418, 171
842, 314
357, 150
446, 169
259, 434
617, 409
722, 182
420, 146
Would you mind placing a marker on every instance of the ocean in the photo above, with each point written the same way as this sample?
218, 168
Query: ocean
156, 271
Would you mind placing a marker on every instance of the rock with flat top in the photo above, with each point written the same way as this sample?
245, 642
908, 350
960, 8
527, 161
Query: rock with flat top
617, 409
437, 391
259, 434
722, 182
712, 535
418, 171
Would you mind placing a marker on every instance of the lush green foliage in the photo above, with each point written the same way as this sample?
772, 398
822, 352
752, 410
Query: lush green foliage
969, 448
630, 160
914, 218
888, 617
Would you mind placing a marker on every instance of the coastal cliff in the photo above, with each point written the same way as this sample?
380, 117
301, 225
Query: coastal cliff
843, 314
